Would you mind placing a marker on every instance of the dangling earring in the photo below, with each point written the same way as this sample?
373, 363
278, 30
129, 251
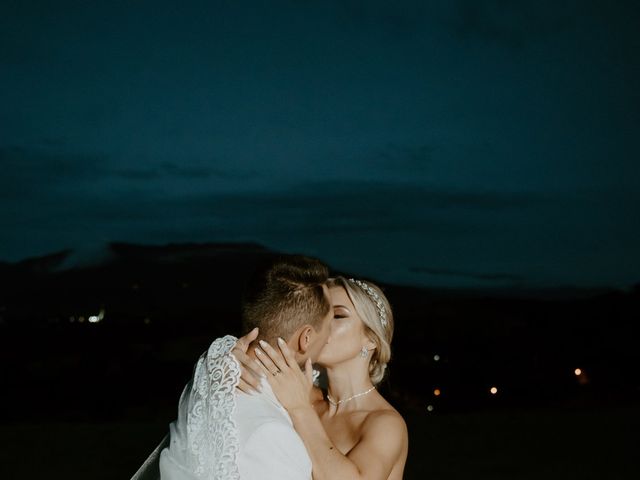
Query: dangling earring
364, 352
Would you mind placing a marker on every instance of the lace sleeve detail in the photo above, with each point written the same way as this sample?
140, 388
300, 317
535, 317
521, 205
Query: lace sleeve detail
211, 430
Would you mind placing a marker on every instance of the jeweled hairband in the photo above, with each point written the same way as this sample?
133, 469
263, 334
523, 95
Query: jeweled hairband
382, 312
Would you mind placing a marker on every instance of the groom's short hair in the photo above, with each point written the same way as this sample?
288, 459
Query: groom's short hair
284, 295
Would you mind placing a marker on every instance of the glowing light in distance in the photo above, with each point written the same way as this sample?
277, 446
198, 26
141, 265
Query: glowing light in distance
430, 408
437, 392
97, 318
493, 390
578, 372
436, 357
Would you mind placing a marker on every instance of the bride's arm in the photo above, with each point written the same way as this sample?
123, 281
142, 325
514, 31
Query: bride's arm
373, 457
383, 434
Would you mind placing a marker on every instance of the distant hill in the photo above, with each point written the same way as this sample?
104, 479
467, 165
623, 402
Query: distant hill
40, 264
234, 260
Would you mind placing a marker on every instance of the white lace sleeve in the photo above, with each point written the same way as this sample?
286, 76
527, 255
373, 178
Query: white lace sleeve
211, 431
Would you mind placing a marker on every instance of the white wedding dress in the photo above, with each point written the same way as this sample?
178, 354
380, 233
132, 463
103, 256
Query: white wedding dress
203, 442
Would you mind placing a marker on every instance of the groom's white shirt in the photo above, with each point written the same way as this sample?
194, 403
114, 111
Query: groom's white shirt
269, 447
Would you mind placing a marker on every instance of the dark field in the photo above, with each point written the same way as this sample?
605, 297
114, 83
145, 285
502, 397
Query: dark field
540, 444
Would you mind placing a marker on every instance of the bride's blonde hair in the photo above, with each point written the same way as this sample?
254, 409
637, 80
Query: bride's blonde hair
377, 318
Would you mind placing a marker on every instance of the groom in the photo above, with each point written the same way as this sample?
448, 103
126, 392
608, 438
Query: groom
251, 435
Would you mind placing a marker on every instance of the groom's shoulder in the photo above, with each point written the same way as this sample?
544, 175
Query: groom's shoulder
280, 435
265, 423
273, 450
276, 440
269, 445
254, 412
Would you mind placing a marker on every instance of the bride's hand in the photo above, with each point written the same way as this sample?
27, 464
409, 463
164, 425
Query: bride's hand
250, 370
292, 386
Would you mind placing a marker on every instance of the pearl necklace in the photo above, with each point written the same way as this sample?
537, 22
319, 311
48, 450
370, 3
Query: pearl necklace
335, 404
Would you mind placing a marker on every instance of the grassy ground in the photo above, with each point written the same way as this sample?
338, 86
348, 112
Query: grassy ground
496, 445
526, 445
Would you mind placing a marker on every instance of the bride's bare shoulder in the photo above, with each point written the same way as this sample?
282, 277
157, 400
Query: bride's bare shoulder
385, 431
386, 419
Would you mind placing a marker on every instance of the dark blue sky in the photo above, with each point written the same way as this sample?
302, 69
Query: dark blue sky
452, 143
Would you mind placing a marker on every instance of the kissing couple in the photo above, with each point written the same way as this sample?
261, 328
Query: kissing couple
253, 408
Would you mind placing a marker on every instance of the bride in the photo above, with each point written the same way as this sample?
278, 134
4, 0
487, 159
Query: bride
354, 433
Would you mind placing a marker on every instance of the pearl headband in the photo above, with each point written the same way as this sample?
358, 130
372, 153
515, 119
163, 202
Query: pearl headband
382, 312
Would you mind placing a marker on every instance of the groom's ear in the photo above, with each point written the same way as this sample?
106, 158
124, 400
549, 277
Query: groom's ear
304, 339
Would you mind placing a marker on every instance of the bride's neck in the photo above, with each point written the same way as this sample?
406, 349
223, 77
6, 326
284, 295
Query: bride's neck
345, 381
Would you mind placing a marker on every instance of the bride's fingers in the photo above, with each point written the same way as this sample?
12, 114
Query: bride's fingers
243, 342
269, 367
246, 388
275, 356
287, 353
308, 370
248, 378
248, 365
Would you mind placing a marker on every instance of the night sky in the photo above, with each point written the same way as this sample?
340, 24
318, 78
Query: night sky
452, 143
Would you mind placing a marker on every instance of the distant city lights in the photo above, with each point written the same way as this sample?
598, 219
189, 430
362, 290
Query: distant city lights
97, 318
581, 376
90, 319
493, 390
